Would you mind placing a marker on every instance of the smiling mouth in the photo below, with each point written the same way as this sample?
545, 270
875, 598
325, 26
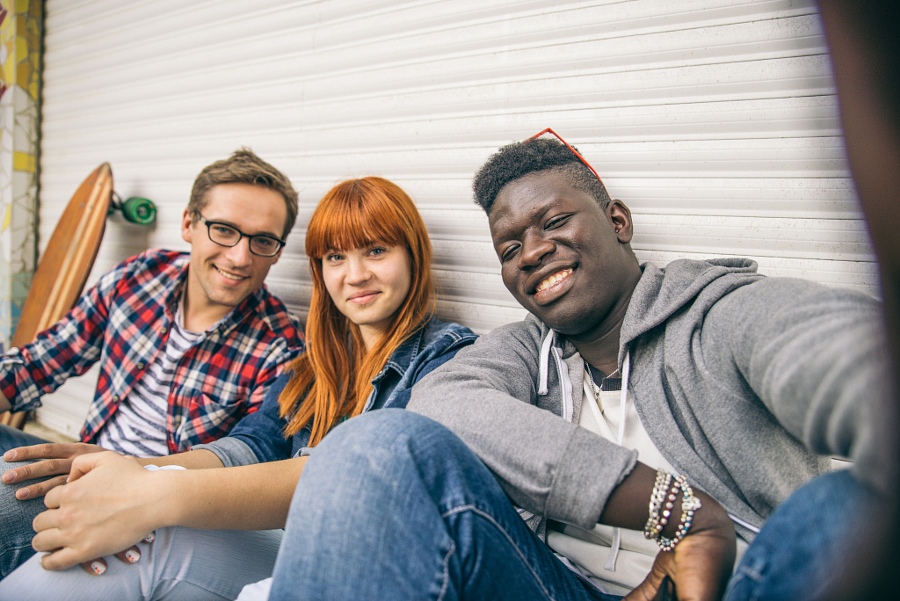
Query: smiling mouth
230, 276
554, 279
362, 299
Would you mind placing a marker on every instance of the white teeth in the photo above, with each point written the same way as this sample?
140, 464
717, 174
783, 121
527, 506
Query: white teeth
553, 279
230, 276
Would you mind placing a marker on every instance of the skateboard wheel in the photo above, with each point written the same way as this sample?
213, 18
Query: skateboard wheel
139, 210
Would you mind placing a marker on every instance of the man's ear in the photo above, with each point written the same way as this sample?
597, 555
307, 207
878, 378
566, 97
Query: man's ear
619, 216
186, 226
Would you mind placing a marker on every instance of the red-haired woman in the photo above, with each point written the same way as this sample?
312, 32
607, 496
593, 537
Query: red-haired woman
371, 335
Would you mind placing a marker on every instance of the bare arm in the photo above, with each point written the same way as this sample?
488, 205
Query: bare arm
192, 460
55, 459
111, 503
701, 563
4, 403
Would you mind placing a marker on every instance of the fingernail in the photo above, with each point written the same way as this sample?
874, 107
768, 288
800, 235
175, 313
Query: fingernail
7, 476
98, 567
132, 555
150, 538
22, 494
9, 455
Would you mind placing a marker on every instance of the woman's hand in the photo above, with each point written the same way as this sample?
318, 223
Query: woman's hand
109, 504
701, 564
131, 555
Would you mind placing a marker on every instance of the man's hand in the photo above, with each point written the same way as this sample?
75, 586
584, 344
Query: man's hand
700, 564
106, 507
57, 462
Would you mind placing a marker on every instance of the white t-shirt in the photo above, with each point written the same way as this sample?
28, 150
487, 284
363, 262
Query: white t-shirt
138, 427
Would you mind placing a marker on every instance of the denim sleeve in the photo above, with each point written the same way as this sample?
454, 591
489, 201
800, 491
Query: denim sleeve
433, 356
263, 431
400, 397
230, 451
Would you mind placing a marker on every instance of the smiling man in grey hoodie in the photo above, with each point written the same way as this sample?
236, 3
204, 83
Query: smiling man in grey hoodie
578, 420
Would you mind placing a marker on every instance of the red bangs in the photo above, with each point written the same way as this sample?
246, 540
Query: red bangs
356, 214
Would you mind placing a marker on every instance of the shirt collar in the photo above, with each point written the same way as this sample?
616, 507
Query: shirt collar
235, 317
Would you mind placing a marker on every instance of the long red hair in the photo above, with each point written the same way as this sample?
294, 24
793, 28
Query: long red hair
332, 378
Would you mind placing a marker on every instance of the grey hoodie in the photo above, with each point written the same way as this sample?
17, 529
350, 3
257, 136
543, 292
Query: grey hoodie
745, 383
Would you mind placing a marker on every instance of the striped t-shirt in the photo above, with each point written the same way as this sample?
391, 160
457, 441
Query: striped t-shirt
138, 427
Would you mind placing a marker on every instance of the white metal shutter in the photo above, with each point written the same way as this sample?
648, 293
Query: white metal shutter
714, 120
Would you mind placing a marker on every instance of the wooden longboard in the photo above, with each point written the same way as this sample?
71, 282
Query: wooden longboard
66, 263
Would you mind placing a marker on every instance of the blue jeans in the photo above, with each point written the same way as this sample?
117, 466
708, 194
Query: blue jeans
799, 553
391, 505
15, 516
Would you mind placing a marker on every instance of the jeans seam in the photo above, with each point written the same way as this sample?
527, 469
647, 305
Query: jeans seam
506, 535
446, 583
181, 581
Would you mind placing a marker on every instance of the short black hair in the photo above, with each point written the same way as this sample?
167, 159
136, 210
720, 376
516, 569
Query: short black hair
517, 160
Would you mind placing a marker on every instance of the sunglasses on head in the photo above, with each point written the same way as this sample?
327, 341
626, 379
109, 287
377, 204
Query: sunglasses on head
566, 144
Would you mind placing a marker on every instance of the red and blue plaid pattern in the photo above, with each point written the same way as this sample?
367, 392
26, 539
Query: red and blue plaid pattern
124, 322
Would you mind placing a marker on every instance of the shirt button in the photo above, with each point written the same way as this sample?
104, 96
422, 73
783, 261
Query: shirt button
163, 330
116, 399
140, 365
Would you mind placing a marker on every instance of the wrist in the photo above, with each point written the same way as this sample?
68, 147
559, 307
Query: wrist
165, 503
711, 517
677, 510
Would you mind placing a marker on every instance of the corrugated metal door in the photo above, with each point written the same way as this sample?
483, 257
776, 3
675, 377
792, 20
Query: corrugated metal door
714, 120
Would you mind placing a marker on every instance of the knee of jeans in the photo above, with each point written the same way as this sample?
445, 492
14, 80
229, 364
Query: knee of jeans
398, 438
377, 428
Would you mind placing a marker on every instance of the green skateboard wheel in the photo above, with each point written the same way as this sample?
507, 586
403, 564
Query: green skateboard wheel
139, 210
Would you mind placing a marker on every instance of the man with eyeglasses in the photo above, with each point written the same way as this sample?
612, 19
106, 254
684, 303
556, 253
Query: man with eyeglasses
189, 343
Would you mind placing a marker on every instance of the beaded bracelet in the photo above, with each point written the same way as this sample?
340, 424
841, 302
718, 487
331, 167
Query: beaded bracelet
667, 509
657, 497
689, 504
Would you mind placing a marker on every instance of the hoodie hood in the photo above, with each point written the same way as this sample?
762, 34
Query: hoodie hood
662, 292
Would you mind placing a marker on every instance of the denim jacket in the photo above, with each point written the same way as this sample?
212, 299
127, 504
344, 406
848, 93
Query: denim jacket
259, 437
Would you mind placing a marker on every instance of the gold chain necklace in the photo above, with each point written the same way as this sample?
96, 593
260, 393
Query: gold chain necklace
594, 387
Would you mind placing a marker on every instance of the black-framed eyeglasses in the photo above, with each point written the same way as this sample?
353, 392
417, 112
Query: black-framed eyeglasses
223, 234
566, 144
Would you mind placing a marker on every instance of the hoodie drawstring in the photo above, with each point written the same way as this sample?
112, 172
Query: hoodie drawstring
544, 361
542, 390
617, 532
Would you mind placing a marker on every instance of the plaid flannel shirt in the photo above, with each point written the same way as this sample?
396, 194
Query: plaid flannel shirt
124, 322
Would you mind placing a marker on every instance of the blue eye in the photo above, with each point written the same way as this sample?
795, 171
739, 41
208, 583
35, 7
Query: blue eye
223, 230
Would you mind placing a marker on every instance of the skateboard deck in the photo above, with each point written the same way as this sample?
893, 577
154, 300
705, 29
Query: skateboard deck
66, 263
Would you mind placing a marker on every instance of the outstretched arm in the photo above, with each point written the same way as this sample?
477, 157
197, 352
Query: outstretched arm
50, 459
55, 459
111, 503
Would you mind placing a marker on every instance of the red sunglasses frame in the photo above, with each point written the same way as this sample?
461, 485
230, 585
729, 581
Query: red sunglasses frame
566, 144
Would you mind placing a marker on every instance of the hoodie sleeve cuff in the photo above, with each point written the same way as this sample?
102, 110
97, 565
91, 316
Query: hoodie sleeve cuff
591, 468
